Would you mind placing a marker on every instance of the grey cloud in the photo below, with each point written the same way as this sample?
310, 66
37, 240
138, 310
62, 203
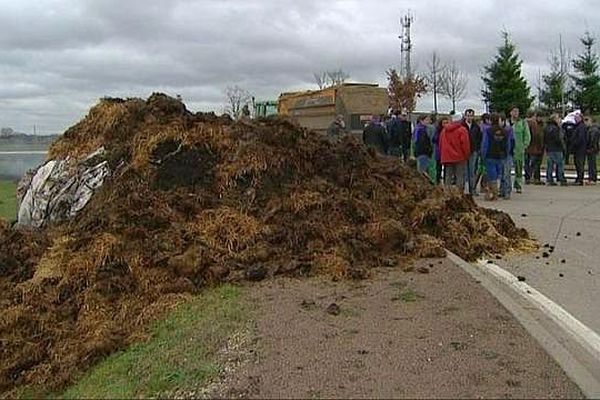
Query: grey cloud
57, 57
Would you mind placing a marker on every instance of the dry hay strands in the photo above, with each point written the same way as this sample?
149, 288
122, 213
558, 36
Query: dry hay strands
334, 264
226, 230
147, 141
104, 123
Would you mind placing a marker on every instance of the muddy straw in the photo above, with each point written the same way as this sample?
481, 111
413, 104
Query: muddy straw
195, 200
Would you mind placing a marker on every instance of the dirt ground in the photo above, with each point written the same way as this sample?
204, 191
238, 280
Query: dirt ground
429, 333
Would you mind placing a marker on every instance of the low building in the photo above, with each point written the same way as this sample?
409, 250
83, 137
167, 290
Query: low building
316, 109
265, 108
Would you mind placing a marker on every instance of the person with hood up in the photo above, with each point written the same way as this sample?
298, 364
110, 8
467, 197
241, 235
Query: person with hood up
579, 146
555, 151
375, 135
495, 149
522, 139
455, 150
423, 147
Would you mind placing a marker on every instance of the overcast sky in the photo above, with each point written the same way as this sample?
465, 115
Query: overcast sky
58, 57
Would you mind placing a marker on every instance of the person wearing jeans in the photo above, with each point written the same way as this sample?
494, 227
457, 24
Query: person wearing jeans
556, 159
475, 140
555, 147
506, 178
494, 151
423, 147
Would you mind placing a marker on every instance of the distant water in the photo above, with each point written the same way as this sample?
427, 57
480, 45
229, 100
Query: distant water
13, 164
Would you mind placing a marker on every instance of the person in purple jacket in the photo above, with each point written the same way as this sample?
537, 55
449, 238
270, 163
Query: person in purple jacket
442, 122
484, 124
423, 146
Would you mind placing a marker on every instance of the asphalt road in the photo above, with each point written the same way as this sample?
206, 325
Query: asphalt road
567, 218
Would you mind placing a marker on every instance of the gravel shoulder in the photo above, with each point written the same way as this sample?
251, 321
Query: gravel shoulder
431, 332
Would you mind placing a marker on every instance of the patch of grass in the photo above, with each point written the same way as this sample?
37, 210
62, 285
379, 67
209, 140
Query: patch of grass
180, 354
408, 296
8, 200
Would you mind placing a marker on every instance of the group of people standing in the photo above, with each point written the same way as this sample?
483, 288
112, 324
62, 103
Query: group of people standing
469, 154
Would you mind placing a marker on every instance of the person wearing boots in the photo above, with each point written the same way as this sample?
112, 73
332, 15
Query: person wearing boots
495, 147
522, 139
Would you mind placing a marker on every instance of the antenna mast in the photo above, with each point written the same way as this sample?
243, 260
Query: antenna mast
406, 46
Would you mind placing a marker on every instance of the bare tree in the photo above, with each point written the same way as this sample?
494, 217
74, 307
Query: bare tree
454, 84
337, 77
434, 77
321, 79
237, 98
564, 58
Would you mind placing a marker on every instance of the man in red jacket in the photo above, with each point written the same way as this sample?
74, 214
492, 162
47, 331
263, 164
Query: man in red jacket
455, 149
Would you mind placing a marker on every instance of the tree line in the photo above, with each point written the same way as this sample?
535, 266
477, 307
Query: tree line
571, 83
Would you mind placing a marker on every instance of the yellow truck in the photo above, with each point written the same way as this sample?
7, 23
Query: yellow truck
316, 109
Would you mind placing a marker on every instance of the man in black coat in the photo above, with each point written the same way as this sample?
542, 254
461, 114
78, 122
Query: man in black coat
593, 148
475, 140
579, 146
393, 130
375, 135
568, 129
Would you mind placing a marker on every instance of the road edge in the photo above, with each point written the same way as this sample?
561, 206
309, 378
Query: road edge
578, 361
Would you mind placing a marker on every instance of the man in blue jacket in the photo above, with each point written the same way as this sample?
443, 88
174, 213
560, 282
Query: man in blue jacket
495, 149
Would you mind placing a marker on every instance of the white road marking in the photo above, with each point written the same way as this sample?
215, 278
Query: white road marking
586, 337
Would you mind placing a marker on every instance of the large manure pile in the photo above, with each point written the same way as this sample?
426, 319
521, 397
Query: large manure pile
194, 200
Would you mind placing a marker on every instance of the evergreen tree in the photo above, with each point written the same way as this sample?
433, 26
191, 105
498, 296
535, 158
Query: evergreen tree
552, 92
586, 81
504, 85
